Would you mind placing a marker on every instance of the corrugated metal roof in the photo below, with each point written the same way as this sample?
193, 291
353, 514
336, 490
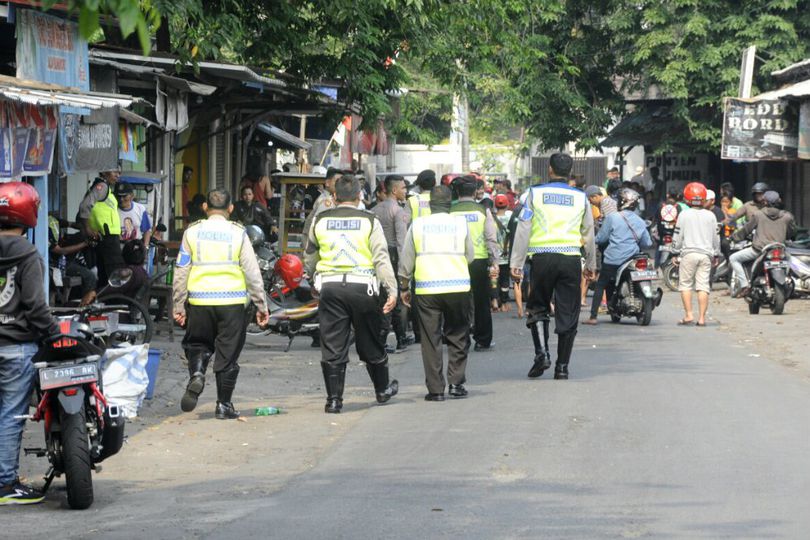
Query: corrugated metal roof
283, 137
38, 93
175, 82
646, 125
800, 89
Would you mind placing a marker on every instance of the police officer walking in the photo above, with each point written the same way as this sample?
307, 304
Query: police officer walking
436, 254
347, 253
216, 272
484, 234
554, 225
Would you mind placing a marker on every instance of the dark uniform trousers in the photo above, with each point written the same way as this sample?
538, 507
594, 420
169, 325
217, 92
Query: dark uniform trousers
397, 318
215, 329
454, 309
556, 277
343, 306
481, 285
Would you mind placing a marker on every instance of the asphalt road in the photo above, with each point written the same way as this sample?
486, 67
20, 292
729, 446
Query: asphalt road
661, 432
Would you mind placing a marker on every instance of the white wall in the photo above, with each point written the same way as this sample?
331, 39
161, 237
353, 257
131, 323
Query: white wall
442, 158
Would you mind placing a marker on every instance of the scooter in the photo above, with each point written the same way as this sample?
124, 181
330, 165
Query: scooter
81, 428
771, 284
634, 295
799, 267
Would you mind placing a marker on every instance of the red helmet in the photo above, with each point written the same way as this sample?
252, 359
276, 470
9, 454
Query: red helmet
19, 204
501, 201
448, 178
694, 193
290, 269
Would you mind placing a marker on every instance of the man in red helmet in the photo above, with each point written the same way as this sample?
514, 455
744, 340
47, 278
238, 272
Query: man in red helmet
24, 320
696, 243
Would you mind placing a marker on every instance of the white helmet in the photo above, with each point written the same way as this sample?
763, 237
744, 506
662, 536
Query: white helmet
628, 199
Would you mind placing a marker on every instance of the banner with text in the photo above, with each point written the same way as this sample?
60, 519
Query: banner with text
762, 130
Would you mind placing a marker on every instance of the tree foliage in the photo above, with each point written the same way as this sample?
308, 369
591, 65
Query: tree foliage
691, 49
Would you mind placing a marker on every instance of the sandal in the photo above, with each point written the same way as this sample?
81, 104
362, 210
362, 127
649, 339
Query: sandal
684, 322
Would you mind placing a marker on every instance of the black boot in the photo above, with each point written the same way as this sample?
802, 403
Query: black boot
384, 389
542, 358
334, 377
226, 383
565, 345
197, 364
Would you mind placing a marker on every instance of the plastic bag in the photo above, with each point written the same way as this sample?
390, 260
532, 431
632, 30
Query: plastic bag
125, 378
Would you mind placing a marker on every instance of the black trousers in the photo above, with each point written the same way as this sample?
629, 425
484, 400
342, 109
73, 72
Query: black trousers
395, 320
556, 277
504, 283
108, 257
344, 306
215, 329
453, 309
606, 283
480, 286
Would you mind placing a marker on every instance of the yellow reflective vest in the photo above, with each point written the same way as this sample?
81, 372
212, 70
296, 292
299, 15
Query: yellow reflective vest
476, 215
557, 211
441, 264
420, 205
216, 277
343, 236
106, 213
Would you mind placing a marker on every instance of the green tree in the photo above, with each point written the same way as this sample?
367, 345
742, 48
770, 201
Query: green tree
691, 49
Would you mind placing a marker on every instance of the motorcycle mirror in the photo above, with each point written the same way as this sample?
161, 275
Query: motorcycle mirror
120, 277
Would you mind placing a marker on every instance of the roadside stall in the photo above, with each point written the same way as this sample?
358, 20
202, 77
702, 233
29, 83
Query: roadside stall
298, 193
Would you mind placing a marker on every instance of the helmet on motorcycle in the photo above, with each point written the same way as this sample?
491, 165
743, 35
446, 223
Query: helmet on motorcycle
289, 269
771, 198
19, 203
694, 193
255, 235
628, 199
501, 201
133, 252
760, 187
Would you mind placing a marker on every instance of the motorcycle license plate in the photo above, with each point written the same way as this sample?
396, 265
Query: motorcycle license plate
664, 248
643, 275
57, 377
775, 264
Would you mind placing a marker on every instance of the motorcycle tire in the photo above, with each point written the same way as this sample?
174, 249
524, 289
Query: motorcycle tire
615, 318
779, 299
136, 313
76, 460
753, 308
671, 274
645, 317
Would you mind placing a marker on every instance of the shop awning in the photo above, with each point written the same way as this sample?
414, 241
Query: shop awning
140, 178
178, 83
648, 124
44, 94
798, 90
282, 137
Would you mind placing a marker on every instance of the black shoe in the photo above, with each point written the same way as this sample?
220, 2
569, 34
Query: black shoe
542, 361
384, 387
17, 493
390, 349
434, 397
561, 372
408, 340
402, 346
226, 411
333, 406
479, 348
457, 391
390, 391
193, 391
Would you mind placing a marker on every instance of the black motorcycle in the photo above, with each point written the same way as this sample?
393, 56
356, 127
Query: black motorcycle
769, 276
634, 295
81, 428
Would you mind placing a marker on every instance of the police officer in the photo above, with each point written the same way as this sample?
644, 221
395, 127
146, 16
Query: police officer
325, 200
438, 249
419, 202
554, 225
346, 249
484, 234
216, 272
98, 216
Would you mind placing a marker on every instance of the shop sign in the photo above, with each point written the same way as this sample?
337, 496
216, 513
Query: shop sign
50, 50
760, 130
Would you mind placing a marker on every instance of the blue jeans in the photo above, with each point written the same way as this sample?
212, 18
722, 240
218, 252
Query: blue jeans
16, 382
738, 260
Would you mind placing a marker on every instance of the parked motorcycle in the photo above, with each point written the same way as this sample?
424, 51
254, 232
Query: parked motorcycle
799, 261
293, 312
634, 295
81, 428
771, 284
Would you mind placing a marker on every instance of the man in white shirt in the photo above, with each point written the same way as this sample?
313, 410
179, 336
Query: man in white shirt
135, 221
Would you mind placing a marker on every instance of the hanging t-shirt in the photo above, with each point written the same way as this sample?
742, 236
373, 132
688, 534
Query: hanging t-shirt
134, 222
